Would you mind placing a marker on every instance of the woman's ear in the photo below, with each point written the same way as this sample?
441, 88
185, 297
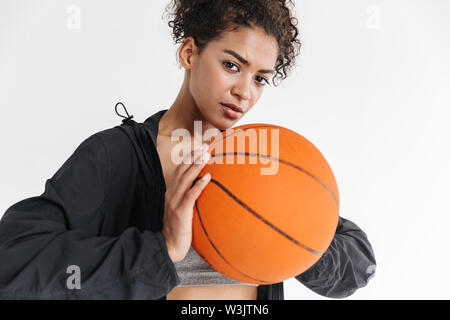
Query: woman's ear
187, 53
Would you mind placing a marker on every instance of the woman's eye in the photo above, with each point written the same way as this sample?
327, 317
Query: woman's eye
229, 64
264, 79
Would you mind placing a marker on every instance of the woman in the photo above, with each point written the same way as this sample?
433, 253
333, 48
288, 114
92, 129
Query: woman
229, 50
115, 220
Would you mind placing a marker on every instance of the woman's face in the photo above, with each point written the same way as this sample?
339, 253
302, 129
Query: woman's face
232, 70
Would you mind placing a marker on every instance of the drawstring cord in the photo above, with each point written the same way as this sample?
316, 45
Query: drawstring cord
126, 119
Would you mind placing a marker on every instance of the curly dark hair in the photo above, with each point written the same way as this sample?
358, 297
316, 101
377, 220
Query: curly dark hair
205, 20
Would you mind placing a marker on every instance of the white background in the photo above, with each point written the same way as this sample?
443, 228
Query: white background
370, 90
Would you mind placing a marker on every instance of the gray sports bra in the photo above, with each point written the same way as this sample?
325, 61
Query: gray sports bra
193, 271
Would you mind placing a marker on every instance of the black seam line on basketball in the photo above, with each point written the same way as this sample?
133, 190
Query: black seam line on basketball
217, 250
284, 234
284, 162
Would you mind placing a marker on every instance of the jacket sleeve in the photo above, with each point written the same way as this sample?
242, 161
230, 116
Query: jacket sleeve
50, 248
347, 265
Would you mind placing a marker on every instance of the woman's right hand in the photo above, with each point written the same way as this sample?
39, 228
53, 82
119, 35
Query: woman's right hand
180, 198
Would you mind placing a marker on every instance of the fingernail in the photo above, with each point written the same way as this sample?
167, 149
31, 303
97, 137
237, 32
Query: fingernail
206, 176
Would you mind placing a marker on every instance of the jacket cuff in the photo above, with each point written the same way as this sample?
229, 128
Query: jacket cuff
321, 270
168, 263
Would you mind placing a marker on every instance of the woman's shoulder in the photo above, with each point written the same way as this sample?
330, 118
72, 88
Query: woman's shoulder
130, 150
115, 139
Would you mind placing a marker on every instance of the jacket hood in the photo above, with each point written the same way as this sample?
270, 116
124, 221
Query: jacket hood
143, 138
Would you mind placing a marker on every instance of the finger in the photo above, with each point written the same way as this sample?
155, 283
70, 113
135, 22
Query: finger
186, 179
193, 193
190, 158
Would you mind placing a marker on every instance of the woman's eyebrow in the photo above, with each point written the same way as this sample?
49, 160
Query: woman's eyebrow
241, 59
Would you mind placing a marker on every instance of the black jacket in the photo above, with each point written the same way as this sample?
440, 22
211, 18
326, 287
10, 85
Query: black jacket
102, 213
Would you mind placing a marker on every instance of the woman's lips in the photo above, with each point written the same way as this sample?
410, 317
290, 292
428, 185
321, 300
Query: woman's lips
230, 112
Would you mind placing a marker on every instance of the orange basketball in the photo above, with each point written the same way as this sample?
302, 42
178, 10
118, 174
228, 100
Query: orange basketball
271, 208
